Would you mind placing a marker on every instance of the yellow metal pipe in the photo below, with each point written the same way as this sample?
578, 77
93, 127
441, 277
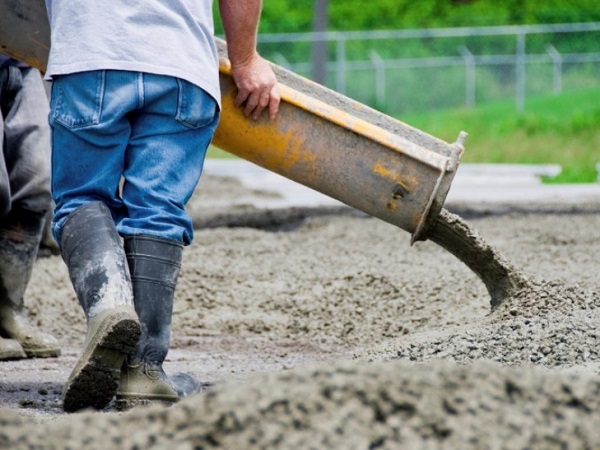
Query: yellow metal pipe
352, 123
343, 149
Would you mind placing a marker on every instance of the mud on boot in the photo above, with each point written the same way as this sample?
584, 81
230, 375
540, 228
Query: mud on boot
94, 380
154, 265
35, 343
91, 248
144, 384
11, 349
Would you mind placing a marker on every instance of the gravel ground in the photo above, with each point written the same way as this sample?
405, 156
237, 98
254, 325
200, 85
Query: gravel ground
323, 328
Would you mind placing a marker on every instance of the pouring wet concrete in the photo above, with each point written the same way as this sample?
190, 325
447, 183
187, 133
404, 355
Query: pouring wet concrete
501, 278
337, 333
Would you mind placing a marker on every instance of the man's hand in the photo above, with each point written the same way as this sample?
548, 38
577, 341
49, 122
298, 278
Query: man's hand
253, 76
257, 87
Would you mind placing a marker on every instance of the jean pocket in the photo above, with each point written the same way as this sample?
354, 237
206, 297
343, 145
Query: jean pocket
195, 107
76, 99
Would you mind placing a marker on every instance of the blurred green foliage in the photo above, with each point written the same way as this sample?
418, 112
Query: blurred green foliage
290, 16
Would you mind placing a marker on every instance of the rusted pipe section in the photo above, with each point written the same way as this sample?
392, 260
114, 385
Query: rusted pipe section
343, 149
24, 31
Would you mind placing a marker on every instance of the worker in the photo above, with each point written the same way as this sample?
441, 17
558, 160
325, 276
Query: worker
24, 203
134, 105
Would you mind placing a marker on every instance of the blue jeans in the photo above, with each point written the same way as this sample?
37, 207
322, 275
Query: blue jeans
24, 142
134, 141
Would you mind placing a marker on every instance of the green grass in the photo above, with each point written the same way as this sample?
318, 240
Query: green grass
558, 129
215, 152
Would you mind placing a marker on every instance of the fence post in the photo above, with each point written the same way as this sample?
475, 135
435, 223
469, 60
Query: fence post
557, 68
319, 44
520, 72
280, 60
341, 65
380, 82
469, 75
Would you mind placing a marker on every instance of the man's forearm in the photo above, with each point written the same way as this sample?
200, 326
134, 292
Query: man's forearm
253, 76
240, 22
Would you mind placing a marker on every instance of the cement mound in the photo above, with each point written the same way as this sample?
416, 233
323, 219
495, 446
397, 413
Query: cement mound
337, 333
350, 406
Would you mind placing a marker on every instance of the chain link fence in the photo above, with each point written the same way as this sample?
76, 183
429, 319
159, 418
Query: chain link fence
413, 71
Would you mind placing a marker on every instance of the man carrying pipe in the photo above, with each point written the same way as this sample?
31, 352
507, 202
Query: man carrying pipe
136, 97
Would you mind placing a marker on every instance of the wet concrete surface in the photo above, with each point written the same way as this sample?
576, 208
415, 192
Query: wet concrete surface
337, 333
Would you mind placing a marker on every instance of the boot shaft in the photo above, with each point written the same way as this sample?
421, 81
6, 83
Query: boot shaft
154, 265
91, 248
20, 236
154, 260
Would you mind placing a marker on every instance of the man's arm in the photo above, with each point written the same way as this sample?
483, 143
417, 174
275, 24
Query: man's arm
253, 76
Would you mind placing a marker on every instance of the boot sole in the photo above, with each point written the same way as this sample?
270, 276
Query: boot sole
127, 403
12, 355
42, 352
95, 379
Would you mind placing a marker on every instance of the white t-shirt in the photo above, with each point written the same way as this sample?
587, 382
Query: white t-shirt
165, 37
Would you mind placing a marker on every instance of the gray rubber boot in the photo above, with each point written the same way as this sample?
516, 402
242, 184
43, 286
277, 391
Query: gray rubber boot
154, 265
20, 236
11, 349
91, 248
